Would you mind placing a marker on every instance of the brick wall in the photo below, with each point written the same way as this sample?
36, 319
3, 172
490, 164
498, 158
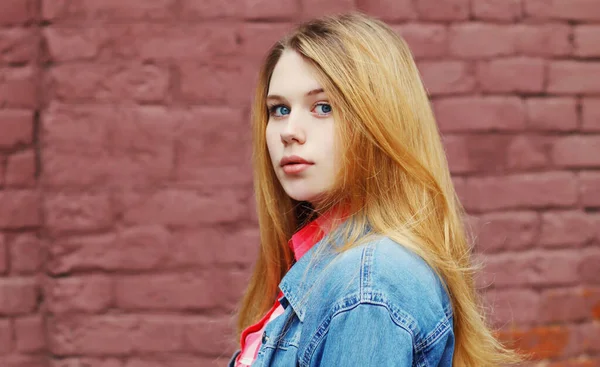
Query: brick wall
127, 227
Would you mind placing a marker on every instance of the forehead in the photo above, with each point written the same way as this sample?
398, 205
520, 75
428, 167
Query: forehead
293, 76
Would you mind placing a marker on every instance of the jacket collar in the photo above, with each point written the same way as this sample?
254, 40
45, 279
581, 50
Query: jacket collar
303, 274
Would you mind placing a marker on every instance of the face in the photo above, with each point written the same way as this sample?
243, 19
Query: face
300, 131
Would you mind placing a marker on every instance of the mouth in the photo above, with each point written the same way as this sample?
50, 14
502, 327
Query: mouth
294, 164
295, 168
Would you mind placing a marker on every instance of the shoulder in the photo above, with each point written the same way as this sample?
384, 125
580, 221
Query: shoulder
382, 272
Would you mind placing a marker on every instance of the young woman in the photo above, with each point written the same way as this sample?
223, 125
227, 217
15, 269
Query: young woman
364, 260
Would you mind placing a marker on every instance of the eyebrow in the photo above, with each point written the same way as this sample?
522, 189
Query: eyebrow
310, 93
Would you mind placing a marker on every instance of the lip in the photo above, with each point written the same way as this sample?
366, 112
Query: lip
295, 168
294, 164
293, 159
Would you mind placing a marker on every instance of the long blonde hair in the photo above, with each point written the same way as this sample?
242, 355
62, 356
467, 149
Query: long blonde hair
393, 173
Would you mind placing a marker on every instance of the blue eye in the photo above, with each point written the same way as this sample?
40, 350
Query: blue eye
279, 110
324, 107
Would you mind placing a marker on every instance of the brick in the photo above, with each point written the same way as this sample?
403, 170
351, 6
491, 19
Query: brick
100, 146
137, 248
210, 336
182, 208
592, 298
86, 294
3, 254
24, 361
513, 307
591, 114
578, 362
209, 84
5, 336
143, 145
498, 10
18, 12
211, 9
21, 169
180, 361
450, 10
589, 188
528, 153
74, 169
447, 77
26, 254
19, 208
154, 44
589, 270
18, 45
270, 9
181, 42
74, 43
29, 334
197, 247
574, 77
424, 39
18, 296
87, 361
488, 152
552, 39
532, 190
586, 40
115, 335
582, 10
257, 38
552, 113
78, 130
77, 212
565, 305
482, 40
508, 231
316, 8
524, 75
202, 141
189, 174
187, 291
536, 268
570, 228
457, 153
17, 128
588, 335
456, 114
109, 10
2, 169
114, 82
539, 342
577, 151
18, 87
389, 10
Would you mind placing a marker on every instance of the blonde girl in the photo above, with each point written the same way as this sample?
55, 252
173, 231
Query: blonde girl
363, 256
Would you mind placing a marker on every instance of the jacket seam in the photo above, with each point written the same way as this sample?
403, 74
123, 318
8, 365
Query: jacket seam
430, 339
323, 329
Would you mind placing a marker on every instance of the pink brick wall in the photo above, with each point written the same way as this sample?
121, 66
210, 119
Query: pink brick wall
126, 215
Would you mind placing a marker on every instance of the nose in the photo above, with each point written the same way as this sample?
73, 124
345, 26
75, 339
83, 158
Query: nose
293, 130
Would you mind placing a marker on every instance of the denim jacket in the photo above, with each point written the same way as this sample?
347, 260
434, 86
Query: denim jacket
377, 304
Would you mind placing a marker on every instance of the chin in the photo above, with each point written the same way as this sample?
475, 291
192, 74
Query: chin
302, 195
310, 196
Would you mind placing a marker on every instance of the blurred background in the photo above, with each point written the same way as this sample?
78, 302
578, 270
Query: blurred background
127, 222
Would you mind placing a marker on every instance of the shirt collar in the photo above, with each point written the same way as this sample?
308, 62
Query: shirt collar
312, 257
310, 234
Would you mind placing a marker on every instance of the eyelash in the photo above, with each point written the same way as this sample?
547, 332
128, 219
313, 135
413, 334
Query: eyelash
273, 108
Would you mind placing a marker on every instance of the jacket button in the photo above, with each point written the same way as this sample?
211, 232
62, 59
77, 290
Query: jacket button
265, 338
